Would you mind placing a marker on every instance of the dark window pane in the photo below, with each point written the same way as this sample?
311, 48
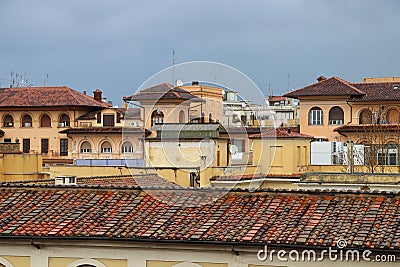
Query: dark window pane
45, 146
108, 120
26, 145
64, 147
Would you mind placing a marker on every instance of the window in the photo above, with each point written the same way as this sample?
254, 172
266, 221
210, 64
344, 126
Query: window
44, 146
63, 147
336, 116
86, 147
7, 140
98, 116
45, 121
365, 117
315, 116
210, 117
127, 147
26, 145
181, 116
108, 120
392, 116
106, 148
8, 121
64, 121
26, 121
157, 117
388, 155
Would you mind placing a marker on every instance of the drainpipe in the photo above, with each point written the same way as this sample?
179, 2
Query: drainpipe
351, 112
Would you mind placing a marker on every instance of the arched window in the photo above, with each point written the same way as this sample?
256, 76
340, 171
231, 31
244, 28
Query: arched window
157, 117
127, 147
86, 147
45, 121
5, 263
8, 121
392, 116
64, 121
315, 116
365, 117
86, 263
106, 148
181, 116
26, 121
336, 116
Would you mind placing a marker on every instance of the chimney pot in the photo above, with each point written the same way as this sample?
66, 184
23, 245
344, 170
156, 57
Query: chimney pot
97, 95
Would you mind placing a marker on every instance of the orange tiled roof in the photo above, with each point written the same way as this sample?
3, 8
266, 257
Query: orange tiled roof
333, 86
276, 217
249, 177
382, 91
357, 92
101, 130
163, 91
59, 96
276, 98
280, 133
368, 128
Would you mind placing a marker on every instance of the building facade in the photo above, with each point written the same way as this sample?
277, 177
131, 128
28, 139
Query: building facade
34, 117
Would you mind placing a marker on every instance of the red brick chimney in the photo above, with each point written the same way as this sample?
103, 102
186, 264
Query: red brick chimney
97, 95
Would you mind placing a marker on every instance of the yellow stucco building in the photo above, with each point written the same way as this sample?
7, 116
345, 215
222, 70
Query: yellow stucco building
34, 117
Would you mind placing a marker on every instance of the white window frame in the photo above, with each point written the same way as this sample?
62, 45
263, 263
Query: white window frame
106, 150
316, 116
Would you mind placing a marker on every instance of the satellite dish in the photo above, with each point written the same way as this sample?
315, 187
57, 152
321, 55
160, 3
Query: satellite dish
179, 83
233, 149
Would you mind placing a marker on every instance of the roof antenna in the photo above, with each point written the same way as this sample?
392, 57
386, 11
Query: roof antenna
288, 81
173, 67
46, 80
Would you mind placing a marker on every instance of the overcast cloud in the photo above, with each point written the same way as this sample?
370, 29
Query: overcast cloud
117, 45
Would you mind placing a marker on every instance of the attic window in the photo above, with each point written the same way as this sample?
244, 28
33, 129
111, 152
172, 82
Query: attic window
395, 86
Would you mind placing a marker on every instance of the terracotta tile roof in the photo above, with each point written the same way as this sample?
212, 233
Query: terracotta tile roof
163, 91
333, 86
92, 114
276, 98
280, 133
60, 96
248, 177
137, 180
367, 128
377, 92
101, 130
284, 218
142, 181
132, 113
357, 92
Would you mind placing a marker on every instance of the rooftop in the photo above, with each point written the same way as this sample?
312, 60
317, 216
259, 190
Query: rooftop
333, 86
163, 91
275, 217
280, 133
101, 130
60, 96
357, 92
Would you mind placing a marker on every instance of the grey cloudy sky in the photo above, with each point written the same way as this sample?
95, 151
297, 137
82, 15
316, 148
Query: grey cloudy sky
116, 45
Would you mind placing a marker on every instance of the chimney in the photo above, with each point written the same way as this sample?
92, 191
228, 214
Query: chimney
321, 78
97, 95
